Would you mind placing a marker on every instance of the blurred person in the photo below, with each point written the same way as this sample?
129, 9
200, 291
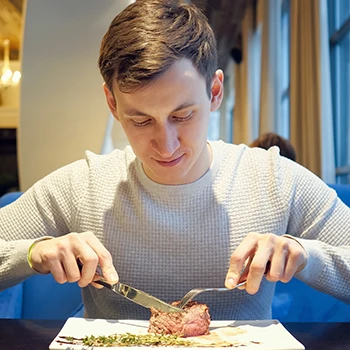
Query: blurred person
270, 139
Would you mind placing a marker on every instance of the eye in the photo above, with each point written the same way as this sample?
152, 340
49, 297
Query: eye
140, 124
183, 119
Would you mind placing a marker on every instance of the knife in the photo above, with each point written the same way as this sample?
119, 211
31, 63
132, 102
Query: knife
135, 295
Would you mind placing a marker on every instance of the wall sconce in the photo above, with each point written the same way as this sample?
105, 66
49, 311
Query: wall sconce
8, 77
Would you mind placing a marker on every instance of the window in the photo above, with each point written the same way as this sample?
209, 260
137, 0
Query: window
339, 30
214, 126
283, 120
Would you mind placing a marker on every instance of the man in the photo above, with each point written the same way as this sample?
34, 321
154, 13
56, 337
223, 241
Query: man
173, 211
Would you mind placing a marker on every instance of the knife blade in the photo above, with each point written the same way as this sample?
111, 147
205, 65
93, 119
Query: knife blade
139, 297
135, 295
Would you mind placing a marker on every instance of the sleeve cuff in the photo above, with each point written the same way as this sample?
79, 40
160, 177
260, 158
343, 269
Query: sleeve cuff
20, 258
315, 263
30, 249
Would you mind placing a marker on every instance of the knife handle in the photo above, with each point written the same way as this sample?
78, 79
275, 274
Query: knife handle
102, 281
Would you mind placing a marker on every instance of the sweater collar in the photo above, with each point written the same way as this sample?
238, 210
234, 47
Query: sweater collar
187, 189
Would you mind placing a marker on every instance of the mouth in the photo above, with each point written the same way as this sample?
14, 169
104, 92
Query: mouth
169, 163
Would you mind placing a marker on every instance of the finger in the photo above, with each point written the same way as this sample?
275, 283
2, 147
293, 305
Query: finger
245, 249
289, 272
71, 269
104, 259
260, 262
89, 260
296, 259
96, 285
256, 270
277, 267
269, 259
108, 270
244, 274
58, 272
243, 279
293, 263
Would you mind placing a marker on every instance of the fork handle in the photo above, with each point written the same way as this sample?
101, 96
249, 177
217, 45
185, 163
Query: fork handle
186, 299
241, 284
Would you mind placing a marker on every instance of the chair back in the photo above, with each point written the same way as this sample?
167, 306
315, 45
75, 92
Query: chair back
8, 198
297, 302
44, 298
39, 296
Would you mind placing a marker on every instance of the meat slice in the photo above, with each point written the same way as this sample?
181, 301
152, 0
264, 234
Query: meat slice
194, 321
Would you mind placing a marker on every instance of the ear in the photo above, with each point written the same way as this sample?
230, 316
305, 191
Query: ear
217, 90
112, 104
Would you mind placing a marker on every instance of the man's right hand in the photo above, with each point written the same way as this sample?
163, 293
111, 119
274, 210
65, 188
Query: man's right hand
58, 256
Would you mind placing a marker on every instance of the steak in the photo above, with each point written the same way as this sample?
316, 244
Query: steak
194, 321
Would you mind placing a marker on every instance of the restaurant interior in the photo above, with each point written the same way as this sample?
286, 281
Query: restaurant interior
287, 71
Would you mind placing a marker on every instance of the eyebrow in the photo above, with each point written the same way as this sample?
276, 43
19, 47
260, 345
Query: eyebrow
134, 112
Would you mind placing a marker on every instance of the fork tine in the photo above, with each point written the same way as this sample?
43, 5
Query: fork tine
189, 296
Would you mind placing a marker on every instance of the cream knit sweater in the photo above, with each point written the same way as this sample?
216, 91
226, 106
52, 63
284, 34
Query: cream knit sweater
167, 240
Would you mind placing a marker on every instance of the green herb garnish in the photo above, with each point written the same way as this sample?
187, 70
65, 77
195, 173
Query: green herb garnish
128, 339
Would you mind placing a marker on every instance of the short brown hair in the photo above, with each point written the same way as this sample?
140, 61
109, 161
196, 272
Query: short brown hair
149, 36
271, 139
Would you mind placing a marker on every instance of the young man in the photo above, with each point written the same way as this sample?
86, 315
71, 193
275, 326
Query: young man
174, 211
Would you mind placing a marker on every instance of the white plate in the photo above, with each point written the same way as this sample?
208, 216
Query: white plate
269, 335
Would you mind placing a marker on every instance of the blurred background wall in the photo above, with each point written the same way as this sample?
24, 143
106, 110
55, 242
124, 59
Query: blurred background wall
62, 107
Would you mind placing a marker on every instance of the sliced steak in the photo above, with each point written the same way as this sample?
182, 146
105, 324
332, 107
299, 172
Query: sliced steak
194, 321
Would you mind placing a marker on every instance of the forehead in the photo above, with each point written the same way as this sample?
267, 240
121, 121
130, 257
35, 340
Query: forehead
181, 83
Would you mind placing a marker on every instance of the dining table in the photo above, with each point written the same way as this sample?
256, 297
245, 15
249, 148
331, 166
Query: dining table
38, 334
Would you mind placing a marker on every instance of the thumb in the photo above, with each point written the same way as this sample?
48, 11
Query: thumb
232, 279
236, 273
109, 273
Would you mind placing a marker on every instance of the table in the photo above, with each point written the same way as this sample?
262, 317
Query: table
38, 334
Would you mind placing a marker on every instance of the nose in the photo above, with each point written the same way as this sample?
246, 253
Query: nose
166, 140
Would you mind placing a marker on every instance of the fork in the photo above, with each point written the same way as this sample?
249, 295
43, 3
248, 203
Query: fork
194, 292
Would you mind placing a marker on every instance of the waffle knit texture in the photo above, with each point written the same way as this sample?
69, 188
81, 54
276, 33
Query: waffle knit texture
166, 240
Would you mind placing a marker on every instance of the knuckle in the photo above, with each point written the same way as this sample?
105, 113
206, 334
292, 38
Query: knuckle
257, 268
105, 255
286, 279
87, 234
71, 237
274, 277
60, 279
90, 259
82, 283
74, 234
295, 256
284, 244
270, 238
61, 244
73, 278
235, 259
48, 256
253, 235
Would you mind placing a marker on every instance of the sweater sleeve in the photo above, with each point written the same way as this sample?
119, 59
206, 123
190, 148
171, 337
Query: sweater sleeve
320, 222
48, 208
